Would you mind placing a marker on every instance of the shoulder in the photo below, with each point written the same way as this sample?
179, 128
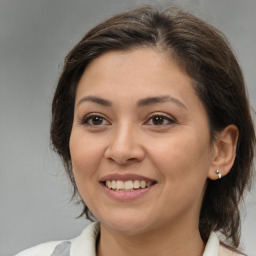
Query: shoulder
84, 242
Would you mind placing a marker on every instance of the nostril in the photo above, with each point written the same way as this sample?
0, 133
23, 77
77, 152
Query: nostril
124, 150
122, 157
132, 159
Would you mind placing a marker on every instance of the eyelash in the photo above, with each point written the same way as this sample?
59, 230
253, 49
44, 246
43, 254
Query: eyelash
87, 119
163, 117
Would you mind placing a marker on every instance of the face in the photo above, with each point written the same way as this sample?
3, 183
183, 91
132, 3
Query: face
140, 144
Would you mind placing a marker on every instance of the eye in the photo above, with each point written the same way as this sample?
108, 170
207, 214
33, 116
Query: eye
94, 120
160, 120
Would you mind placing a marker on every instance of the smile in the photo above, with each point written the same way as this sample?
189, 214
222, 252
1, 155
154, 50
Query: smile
129, 185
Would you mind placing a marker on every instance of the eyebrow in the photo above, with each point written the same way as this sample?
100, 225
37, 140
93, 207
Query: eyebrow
160, 99
95, 99
141, 103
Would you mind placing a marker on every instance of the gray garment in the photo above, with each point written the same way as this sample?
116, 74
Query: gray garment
62, 249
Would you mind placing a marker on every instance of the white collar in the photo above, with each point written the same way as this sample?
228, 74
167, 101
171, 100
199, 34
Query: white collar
212, 245
87, 240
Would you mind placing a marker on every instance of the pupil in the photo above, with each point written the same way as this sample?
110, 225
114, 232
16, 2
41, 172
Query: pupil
157, 120
96, 120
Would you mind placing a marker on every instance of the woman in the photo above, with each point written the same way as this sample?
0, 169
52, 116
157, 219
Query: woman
152, 122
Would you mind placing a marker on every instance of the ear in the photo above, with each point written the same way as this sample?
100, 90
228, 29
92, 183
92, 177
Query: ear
224, 152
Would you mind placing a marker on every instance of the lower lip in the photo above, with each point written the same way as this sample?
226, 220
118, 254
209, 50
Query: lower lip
126, 195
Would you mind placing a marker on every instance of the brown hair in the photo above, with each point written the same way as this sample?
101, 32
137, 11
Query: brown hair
201, 51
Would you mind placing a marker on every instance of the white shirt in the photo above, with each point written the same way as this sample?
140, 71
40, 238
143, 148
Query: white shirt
84, 245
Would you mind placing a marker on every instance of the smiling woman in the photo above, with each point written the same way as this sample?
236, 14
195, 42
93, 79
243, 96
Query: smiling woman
158, 132
152, 122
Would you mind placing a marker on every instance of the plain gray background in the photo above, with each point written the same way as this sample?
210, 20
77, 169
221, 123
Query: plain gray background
35, 35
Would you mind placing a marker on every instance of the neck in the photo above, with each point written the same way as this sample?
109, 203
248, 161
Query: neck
168, 240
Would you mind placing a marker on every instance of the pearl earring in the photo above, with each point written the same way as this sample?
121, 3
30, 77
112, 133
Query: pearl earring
218, 173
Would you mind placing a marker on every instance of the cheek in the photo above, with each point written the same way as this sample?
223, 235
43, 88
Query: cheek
85, 158
183, 164
85, 155
182, 157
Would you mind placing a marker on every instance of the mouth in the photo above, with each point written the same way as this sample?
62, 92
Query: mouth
127, 185
123, 187
128, 182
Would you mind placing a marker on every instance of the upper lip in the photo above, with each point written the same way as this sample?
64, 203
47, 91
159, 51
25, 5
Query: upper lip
125, 177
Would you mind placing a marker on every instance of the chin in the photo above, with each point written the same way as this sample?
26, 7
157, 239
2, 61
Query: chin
128, 224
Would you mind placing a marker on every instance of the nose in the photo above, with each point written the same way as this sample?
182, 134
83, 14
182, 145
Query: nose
124, 146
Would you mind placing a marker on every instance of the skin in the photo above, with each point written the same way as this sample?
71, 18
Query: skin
177, 152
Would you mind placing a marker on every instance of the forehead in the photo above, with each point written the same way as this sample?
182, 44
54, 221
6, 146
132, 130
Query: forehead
144, 68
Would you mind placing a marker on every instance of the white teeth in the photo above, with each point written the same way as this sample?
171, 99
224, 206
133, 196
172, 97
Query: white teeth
143, 184
128, 185
108, 183
113, 184
120, 184
136, 184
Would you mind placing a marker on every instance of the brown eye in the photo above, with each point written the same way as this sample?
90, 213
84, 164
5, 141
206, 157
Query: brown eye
160, 120
94, 120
